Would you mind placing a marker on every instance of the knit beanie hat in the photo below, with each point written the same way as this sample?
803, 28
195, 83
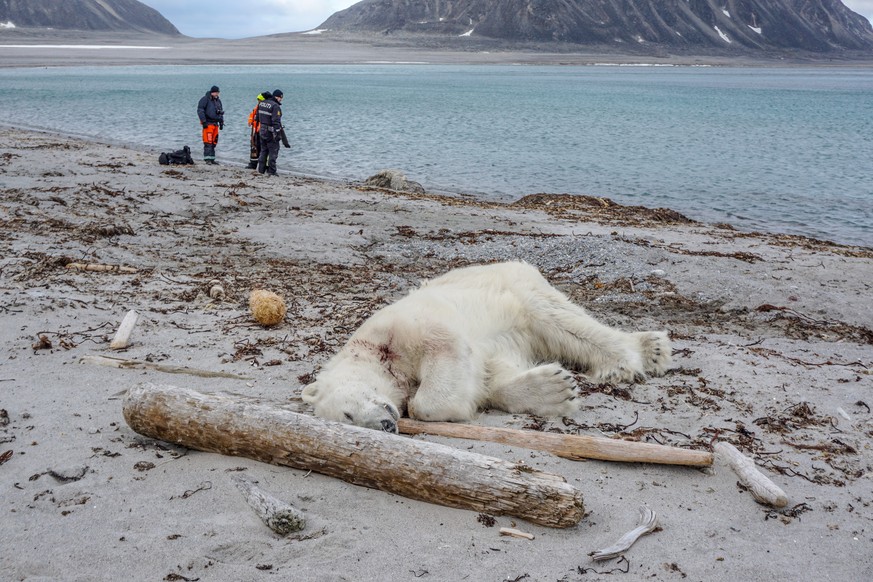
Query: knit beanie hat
215, 89
277, 93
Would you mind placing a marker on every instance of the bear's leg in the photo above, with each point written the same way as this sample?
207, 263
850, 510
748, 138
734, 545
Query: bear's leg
571, 335
546, 390
450, 382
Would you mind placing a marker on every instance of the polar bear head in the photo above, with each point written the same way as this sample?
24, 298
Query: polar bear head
352, 402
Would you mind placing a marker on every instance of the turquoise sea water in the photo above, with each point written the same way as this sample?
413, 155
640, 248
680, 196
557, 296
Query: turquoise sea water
783, 150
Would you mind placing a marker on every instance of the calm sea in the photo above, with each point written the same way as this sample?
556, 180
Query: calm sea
782, 150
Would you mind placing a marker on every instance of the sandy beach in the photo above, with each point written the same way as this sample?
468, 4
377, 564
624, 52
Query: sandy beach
772, 352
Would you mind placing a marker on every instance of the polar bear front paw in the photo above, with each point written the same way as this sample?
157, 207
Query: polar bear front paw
655, 350
624, 372
646, 353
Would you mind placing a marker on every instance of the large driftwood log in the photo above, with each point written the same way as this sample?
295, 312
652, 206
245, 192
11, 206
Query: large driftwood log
575, 447
416, 469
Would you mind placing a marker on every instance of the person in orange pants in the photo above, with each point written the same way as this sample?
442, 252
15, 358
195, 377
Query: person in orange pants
211, 115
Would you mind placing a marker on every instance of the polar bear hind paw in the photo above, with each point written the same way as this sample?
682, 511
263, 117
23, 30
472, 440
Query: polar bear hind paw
557, 391
546, 390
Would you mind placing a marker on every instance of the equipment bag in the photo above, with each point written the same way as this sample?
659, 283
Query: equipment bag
182, 156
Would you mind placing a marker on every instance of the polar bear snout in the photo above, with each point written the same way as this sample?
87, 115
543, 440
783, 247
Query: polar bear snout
390, 424
376, 415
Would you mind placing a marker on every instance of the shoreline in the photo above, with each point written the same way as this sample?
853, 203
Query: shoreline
771, 349
341, 48
602, 203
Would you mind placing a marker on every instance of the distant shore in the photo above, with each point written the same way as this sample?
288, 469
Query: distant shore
30, 48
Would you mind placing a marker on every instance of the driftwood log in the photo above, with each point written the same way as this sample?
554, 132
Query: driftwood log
416, 469
762, 488
277, 515
575, 447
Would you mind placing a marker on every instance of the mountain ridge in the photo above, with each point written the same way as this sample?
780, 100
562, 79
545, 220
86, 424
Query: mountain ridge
822, 26
95, 15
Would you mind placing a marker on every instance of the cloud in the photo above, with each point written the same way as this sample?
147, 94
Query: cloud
862, 7
234, 19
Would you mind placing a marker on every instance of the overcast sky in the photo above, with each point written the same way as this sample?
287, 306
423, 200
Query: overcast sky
235, 19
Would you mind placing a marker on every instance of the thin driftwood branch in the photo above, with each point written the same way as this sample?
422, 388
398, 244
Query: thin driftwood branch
763, 489
111, 362
102, 268
412, 468
277, 515
575, 447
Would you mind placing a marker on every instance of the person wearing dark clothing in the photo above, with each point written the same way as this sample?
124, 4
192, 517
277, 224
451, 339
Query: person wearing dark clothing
211, 115
270, 132
255, 136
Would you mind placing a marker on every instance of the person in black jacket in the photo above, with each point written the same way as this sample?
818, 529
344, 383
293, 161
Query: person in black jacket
271, 132
211, 115
255, 134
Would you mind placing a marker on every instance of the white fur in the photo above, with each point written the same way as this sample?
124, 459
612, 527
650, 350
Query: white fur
493, 336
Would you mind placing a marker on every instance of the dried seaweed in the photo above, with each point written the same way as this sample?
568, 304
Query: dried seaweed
792, 418
601, 209
801, 326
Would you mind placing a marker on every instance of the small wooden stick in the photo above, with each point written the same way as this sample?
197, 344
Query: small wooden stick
279, 516
110, 362
516, 533
122, 336
763, 489
102, 268
575, 447
647, 524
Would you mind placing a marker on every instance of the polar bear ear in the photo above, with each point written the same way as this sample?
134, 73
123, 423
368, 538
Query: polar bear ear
310, 393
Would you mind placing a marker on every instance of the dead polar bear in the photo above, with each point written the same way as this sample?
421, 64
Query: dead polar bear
491, 336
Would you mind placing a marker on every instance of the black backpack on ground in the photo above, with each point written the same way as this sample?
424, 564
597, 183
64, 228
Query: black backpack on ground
182, 156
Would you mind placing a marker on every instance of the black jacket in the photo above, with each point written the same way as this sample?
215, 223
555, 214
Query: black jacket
209, 110
270, 118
